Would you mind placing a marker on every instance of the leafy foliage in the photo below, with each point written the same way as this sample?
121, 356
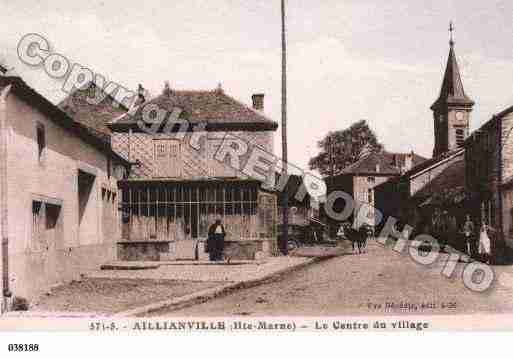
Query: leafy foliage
346, 148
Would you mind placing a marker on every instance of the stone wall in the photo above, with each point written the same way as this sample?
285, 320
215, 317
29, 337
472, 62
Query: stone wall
482, 174
507, 175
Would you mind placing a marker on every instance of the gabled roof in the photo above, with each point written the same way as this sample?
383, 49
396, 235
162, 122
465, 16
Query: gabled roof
452, 92
215, 108
55, 114
488, 125
80, 106
450, 181
435, 161
389, 163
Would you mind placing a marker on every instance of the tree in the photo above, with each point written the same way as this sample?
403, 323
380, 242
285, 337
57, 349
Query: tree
341, 148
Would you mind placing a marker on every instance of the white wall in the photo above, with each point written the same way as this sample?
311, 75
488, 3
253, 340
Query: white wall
54, 179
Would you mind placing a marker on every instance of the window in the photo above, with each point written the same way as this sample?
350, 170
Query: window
85, 187
109, 215
168, 161
46, 226
460, 136
371, 179
37, 225
41, 140
370, 196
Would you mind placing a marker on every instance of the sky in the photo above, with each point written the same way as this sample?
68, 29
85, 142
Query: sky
381, 61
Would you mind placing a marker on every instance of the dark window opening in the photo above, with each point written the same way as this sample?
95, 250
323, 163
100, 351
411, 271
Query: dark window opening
52, 216
41, 140
460, 136
85, 186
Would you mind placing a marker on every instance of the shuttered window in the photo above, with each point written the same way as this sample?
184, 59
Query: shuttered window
167, 158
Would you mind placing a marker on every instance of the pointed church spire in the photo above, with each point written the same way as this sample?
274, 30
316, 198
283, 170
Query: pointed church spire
452, 92
451, 30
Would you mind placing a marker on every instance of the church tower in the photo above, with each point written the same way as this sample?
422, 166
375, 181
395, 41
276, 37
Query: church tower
452, 108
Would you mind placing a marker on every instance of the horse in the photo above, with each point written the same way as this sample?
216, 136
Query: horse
358, 237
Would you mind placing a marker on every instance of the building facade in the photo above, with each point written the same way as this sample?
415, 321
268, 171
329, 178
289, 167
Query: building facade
203, 159
59, 194
489, 178
361, 179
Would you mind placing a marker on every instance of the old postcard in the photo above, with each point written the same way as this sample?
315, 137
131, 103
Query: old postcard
255, 166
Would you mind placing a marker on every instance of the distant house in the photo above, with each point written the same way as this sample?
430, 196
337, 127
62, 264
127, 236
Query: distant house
182, 181
437, 183
58, 194
360, 179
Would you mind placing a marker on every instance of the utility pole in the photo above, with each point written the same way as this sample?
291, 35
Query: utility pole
284, 151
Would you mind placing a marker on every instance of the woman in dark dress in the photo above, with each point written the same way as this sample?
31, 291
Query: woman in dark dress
215, 241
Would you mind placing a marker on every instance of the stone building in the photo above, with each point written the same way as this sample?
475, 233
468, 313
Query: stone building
360, 179
58, 193
489, 178
198, 156
437, 184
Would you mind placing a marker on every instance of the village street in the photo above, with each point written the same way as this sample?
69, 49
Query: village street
361, 285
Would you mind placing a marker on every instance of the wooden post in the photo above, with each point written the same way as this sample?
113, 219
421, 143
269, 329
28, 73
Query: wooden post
285, 202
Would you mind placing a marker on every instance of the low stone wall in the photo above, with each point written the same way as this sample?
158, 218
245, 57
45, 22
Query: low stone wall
142, 251
33, 273
193, 250
248, 250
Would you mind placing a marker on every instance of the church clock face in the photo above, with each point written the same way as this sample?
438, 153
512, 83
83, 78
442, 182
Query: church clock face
459, 115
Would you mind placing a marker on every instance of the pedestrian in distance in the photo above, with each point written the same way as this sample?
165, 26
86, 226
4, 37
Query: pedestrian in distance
469, 235
215, 241
484, 244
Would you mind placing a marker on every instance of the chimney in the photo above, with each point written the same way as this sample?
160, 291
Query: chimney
408, 161
141, 98
258, 101
167, 89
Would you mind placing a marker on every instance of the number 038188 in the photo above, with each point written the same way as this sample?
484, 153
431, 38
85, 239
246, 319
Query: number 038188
23, 347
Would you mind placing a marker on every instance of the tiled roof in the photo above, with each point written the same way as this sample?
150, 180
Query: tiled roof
432, 161
389, 163
216, 108
452, 91
80, 106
